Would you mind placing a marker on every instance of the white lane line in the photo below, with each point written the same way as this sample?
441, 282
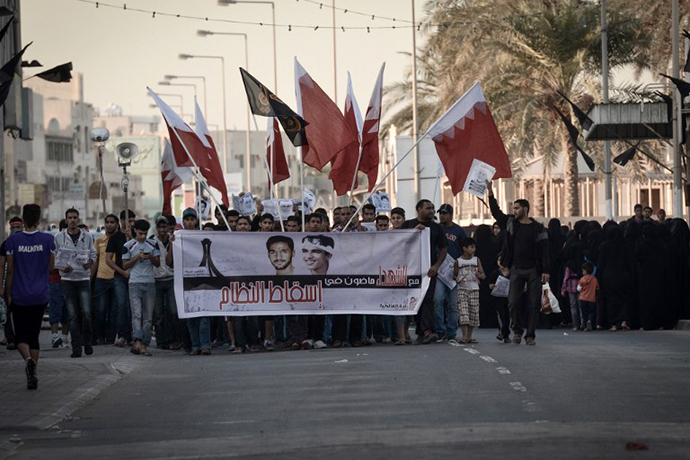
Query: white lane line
488, 359
517, 386
471, 350
503, 370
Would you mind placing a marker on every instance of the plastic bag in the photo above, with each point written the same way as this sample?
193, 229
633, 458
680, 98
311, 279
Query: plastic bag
549, 302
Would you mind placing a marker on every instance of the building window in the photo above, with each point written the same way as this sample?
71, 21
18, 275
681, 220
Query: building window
58, 184
60, 150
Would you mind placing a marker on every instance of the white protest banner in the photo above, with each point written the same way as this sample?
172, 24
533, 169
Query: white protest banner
244, 204
445, 272
369, 226
382, 202
477, 178
247, 274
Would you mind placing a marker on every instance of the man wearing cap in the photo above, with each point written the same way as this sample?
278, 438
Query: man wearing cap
426, 323
447, 316
16, 226
103, 285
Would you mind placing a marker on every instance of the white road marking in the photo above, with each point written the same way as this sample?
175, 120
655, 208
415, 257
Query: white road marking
488, 359
517, 386
503, 370
341, 361
472, 350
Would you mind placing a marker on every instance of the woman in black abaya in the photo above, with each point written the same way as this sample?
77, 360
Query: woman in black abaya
652, 261
614, 278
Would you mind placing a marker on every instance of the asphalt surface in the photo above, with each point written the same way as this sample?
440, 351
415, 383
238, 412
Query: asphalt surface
573, 395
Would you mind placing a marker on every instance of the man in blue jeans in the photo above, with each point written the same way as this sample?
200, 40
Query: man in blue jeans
445, 298
103, 285
113, 258
74, 258
140, 256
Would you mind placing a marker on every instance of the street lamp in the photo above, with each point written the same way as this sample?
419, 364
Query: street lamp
225, 119
189, 85
248, 154
273, 20
170, 95
203, 81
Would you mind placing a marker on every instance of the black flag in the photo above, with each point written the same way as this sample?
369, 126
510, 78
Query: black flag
266, 104
682, 85
585, 121
7, 73
59, 74
626, 156
574, 134
4, 29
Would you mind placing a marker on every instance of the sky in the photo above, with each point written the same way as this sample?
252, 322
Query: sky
121, 52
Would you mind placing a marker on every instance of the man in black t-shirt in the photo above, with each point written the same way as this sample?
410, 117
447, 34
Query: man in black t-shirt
123, 325
426, 325
526, 252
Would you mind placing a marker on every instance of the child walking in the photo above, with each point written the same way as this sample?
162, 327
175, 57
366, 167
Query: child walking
467, 272
587, 287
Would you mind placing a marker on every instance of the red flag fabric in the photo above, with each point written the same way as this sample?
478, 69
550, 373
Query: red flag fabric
327, 132
369, 164
465, 132
172, 177
213, 172
179, 133
275, 150
344, 165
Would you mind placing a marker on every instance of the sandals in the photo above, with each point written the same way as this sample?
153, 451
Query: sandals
194, 353
146, 352
237, 351
472, 341
401, 342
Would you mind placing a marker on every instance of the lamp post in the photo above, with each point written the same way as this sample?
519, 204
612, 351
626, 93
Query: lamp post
225, 117
273, 20
203, 82
248, 153
188, 85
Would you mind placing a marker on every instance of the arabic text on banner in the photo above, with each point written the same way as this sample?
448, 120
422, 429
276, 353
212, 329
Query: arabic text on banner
247, 274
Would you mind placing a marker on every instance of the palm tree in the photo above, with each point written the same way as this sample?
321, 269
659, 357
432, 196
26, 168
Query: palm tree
524, 52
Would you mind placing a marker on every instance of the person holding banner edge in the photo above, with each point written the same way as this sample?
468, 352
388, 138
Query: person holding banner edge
426, 324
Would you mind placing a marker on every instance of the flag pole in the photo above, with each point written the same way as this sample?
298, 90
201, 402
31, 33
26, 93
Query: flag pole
269, 168
354, 177
383, 179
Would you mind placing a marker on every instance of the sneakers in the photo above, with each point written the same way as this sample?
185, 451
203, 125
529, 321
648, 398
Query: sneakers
88, 349
57, 341
589, 326
31, 379
320, 345
429, 337
517, 339
307, 345
268, 345
507, 340
530, 341
442, 339
121, 342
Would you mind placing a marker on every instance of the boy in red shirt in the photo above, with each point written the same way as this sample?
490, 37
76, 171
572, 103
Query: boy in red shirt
587, 287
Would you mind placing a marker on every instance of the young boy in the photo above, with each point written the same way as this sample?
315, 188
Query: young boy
467, 272
140, 256
500, 300
587, 287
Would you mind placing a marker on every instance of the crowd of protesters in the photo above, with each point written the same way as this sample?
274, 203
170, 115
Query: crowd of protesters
118, 289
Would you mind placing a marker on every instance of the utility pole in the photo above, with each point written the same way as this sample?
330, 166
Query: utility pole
605, 97
415, 114
677, 104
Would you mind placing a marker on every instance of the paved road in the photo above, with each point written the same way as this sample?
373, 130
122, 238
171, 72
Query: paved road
574, 395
